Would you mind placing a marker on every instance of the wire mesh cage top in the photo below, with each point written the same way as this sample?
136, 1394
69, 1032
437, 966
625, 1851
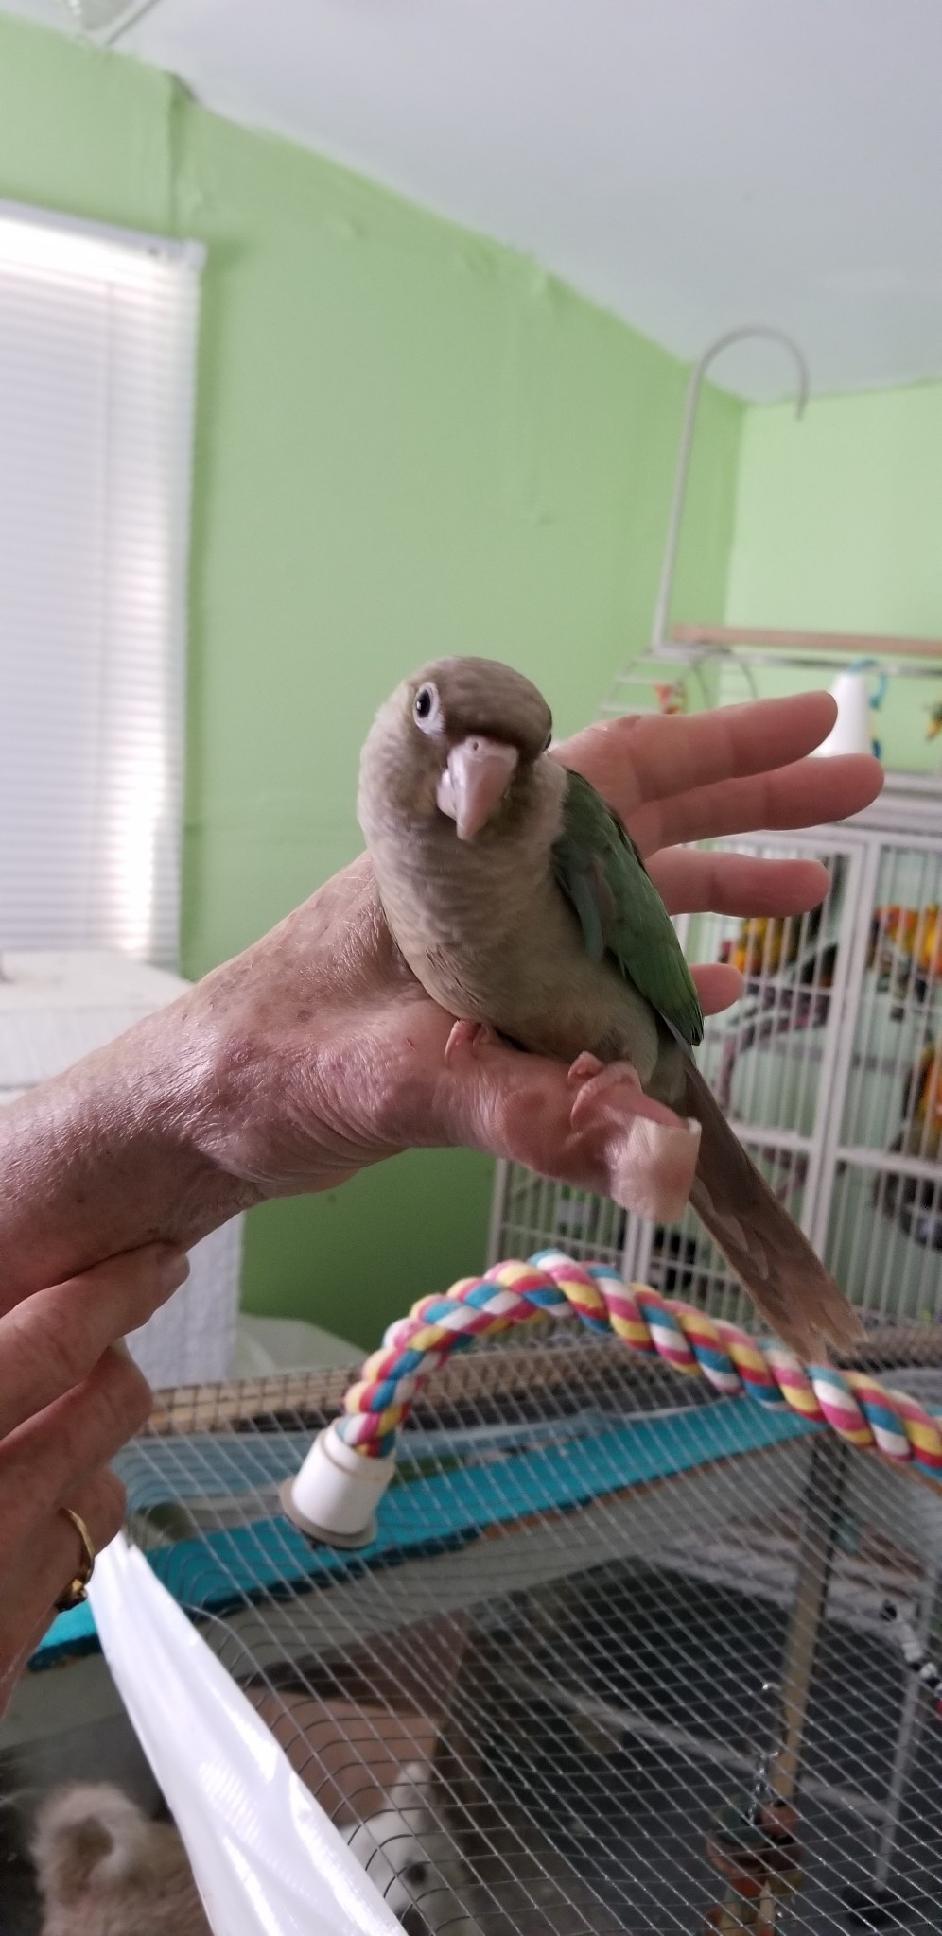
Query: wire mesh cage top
535, 1702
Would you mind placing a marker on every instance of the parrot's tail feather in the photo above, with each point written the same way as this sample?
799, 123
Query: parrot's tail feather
774, 1260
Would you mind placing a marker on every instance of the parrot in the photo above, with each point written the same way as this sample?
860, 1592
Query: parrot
929, 943
758, 952
920, 1135
671, 699
892, 930
524, 909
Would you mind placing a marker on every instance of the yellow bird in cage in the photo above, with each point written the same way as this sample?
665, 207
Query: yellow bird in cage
922, 1135
893, 934
672, 698
928, 943
762, 946
935, 722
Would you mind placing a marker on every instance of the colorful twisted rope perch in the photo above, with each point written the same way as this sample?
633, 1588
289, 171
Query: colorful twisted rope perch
355, 1455
855, 1405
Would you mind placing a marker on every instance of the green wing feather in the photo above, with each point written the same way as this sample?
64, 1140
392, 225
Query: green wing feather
601, 872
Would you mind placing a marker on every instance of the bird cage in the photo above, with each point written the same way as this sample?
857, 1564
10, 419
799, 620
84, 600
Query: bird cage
642, 1639
674, 677
643, 1634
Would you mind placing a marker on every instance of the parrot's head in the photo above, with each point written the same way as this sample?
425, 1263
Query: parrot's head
459, 739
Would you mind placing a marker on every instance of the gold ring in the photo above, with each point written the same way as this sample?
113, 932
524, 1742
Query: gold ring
77, 1589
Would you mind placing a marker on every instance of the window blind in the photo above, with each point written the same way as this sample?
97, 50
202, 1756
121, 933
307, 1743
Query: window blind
97, 367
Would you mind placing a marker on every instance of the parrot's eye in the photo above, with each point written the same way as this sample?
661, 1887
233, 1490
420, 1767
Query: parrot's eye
427, 709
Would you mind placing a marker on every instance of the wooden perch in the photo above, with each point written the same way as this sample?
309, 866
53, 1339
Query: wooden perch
864, 645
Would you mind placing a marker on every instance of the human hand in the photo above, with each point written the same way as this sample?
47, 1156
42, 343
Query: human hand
316, 1053
69, 1399
328, 1056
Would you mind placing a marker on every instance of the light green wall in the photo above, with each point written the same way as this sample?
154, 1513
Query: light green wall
839, 528
409, 441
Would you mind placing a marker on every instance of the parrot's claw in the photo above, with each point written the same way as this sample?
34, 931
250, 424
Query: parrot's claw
595, 1078
651, 1152
587, 1069
467, 1037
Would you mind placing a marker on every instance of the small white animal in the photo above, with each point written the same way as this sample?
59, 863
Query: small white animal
412, 1860
105, 1870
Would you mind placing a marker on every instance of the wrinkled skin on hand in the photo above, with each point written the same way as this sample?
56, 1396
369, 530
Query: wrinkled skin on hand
375, 1080
315, 1053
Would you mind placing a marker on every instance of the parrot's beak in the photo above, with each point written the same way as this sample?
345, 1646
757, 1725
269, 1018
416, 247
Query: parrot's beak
474, 782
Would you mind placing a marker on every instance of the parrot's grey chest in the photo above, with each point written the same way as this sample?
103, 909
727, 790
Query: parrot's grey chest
488, 923
464, 912
458, 919
490, 936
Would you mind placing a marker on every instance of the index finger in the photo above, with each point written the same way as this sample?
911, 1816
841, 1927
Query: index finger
53, 1340
634, 760
808, 793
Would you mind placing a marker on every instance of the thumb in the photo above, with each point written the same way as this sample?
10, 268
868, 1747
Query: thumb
603, 1135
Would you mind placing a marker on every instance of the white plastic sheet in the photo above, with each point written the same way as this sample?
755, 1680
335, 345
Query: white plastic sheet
267, 1860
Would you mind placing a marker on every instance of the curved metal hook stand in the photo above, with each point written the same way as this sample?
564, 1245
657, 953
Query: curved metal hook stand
665, 591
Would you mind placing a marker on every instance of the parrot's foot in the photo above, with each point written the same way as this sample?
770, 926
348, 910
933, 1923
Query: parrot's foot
592, 1078
653, 1158
587, 1068
467, 1037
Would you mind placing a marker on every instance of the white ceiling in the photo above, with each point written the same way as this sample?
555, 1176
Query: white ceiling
690, 164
